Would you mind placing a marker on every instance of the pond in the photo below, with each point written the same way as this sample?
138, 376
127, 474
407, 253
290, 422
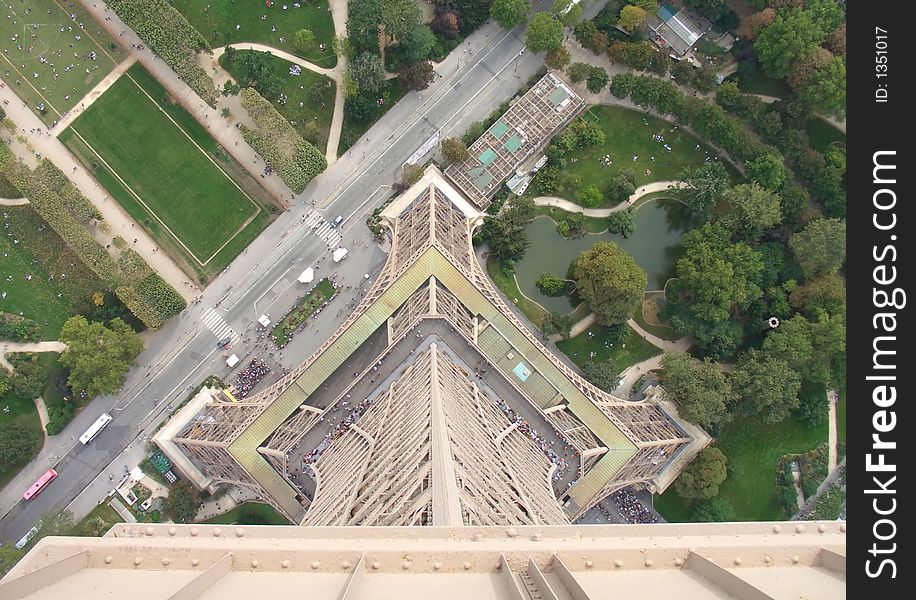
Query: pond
655, 246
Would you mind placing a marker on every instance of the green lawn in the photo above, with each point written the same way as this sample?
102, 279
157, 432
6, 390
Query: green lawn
299, 107
179, 191
753, 449
22, 412
631, 351
628, 133
284, 331
217, 20
760, 83
534, 312
353, 128
250, 513
822, 134
97, 522
592, 224
65, 56
666, 333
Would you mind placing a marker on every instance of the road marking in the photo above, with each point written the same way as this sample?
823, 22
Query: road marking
219, 327
324, 230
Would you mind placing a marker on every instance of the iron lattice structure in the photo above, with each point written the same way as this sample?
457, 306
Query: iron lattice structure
433, 449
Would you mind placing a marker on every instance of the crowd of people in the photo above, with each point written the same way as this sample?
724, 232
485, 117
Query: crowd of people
546, 446
634, 511
249, 377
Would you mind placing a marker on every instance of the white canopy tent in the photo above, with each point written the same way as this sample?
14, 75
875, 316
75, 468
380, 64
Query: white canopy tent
307, 276
264, 321
339, 254
232, 361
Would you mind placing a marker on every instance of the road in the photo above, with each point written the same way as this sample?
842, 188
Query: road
483, 72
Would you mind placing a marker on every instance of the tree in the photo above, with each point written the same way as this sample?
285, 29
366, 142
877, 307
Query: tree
505, 233
767, 170
766, 385
417, 76
181, 503
98, 356
28, 375
836, 40
825, 91
556, 322
18, 445
304, 40
610, 281
650, 6
824, 294
551, 285
717, 509
367, 72
9, 556
411, 174
701, 187
699, 387
791, 36
590, 197
631, 17
752, 211
544, 33
447, 22
716, 277
418, 44
752, 25
509, 13
711, 9
567, 12
400, 17
820, 248
622, 222
557, 59
453, 150
578, 71
546, 181
816, 349
623, 185
703, 476
804, 69
603, 374
597, 79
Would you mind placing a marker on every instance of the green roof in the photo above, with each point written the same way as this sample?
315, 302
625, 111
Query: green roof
558, 95
513, 143
483, 180
487, 156
498, 129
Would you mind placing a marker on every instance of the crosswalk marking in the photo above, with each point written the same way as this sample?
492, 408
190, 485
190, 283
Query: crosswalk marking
219, 327
329, 235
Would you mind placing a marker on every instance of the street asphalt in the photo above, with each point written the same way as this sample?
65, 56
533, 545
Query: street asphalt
483, 72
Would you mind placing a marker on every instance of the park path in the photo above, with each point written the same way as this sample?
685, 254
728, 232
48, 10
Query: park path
209, 117
831, 431
30, 139
629, 375
11, 347
656, 186
43, 416
332, 73
13, 201
94, 94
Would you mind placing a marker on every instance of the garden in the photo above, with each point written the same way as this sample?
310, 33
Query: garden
295, 319
306, 99
53, 60
273, 24
250, 513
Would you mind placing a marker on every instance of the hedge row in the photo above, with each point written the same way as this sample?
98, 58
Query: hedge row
172, 38
296, 161
153, 302
79, 206
18, 329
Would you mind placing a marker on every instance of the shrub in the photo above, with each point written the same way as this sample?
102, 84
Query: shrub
169, 34
297, 161
58, 417
590, 197
18, 329
550, 284
622, 222
163, 298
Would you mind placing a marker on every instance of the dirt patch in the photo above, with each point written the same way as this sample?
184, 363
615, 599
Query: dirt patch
651, 308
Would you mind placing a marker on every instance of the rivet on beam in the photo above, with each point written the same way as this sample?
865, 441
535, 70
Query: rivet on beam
172, 531
284, 564
437, 565
799, 528
589, 564
821, 528
165, 561
466, 566
149, 531
376, 565
767, 559
678, 561
795, 559
108, 560
512, 532
137, 561
217, 532
843, 526
315, 564
195, 562
239, 532
345, 564
537, 536
618, 563
405, 565
194, 532
737, 561
648, 562
777, 528
478, 537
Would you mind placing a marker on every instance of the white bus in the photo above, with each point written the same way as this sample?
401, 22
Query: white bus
95, 428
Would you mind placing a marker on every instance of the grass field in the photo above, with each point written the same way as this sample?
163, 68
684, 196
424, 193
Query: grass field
53, 67
822, 134
533, 311
250, 513
760, 83
753, 449
97, 522
168, 173
217, 21
353, 128
299, 107
22, 411
629, 133
631, 351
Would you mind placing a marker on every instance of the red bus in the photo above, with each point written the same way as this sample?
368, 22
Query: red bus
43, 481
